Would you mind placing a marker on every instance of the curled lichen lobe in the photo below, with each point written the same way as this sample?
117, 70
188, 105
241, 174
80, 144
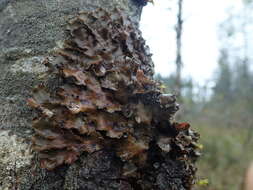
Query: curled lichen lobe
142, 2
106, 99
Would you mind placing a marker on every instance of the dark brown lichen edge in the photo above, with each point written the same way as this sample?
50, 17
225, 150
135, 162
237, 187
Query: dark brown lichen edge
106, 100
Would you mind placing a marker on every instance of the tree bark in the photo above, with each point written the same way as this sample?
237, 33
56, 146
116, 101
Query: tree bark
179, 64
30, 31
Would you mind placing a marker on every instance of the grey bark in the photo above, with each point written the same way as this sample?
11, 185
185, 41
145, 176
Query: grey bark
29, 31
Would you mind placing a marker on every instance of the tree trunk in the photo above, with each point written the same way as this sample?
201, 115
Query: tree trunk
179, 64
30, 31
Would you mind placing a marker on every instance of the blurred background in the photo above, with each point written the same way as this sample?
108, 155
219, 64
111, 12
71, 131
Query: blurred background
203, 53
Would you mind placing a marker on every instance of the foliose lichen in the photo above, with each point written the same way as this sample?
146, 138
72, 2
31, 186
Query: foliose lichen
142, 2
106, 99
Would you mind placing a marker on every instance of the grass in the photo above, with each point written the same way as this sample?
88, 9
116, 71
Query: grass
225, 156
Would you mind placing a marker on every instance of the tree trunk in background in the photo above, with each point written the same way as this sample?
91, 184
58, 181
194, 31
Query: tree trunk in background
248, 182
31, 30
179, 64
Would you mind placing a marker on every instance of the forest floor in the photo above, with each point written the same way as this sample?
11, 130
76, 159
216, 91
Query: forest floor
226, 155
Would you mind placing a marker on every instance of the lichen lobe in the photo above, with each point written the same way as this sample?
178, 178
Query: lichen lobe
107, 100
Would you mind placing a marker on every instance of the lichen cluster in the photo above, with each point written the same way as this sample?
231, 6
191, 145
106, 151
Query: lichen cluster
107, 100
141, 2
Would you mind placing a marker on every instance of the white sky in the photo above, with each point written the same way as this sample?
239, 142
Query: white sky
200, 39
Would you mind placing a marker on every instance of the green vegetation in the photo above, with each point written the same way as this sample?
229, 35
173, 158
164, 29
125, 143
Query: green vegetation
221, 110
223, 117
225, 125
225, 156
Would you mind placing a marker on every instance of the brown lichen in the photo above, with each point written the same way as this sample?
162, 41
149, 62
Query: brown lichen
108, 100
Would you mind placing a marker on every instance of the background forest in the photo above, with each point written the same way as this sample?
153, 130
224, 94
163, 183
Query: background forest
220, 108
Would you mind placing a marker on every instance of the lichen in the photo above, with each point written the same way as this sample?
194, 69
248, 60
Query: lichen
15, 154
29, 65
106, 99
141, 2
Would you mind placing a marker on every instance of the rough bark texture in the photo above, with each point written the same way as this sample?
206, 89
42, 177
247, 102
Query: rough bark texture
30, 31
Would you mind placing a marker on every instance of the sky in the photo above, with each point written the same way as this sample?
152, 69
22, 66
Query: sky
200, 49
